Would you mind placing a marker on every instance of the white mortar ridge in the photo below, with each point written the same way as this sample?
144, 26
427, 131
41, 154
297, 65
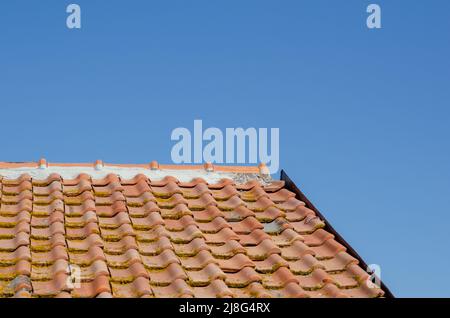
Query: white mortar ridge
71, 172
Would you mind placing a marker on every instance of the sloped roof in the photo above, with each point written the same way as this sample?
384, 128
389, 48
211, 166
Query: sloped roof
165, 231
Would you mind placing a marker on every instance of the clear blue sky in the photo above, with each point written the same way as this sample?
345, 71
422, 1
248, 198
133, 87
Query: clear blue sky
364, 115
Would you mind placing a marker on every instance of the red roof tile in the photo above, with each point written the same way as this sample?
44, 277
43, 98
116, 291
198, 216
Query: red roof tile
144, 237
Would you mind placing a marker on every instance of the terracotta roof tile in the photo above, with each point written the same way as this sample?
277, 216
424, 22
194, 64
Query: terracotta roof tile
137, 237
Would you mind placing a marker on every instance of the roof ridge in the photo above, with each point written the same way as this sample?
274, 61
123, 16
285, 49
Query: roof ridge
154, 165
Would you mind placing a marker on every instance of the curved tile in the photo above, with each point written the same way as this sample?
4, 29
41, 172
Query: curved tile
363, 291
81, 209
221, 184
214, 226
137, 189
155, 247
198, 261
243, 278
221, 237
254, 238
92, 288
120, 247
12, 190
129, 274
204, 276
164, 181
208, 214
135, 180
55, 186
290, 204
11, 232
202, 202
95, 269
254, 194
195, 192
270, 214
45, 182
296, 251
167, 190
9, 245
177, 289
299, 214
274, 185
47, 232
109, 200
46, 258
11, 258
94, 253
192, 248
77, 180
286, 238
279, 279
160, 261
140, 287
48, 209
315, 280
260, 205
281, 195
271, 264
224, 193
146, 209
11, 221
339, 262
290, 290
109, 189
75, 188
235, 263
124, 260
180, 224
192, 183
263, 250
110, 178
45, 221
344, 280
176, 212
108, 234
228, 249
308, 225
53, 287
111, 210
152, 234
15, 199
246, 226
167, 275
21, 267
238, 214
81, 221
328, 250
317, 238
14, 209
85, 244
145, 223
216, 289
79, 199
254, 290
114, 222
46, 200
171, 202
248, 185
231, 204
305, 265
141, 200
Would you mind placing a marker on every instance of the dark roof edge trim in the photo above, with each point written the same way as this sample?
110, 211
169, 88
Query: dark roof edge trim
290, 185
